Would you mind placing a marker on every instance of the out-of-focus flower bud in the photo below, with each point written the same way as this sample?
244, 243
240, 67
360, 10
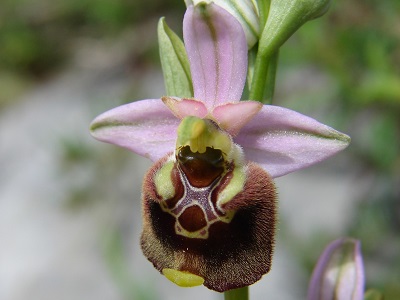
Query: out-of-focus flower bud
245, 11
373, 295
339, 273
285, 17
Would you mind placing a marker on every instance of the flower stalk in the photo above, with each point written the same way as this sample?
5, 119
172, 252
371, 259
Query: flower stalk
263, 84
263, 9
279, 19
237, 294
264, 75
271, 77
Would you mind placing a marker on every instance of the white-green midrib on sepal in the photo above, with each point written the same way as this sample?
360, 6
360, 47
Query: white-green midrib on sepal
174, 62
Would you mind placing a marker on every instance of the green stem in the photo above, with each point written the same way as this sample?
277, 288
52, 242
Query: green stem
259, 77
260, 72
271, 76
237, 294
263, 79
263, 8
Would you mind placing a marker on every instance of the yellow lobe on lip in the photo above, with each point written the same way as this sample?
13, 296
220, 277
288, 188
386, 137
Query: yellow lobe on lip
183, 278
163, 183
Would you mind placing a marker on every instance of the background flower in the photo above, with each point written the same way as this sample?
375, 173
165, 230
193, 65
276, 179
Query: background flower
339, 273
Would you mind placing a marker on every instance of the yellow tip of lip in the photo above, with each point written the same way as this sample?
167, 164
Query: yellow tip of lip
183, 278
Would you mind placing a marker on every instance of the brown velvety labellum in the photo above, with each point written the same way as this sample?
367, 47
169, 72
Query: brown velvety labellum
234, 254
201, 169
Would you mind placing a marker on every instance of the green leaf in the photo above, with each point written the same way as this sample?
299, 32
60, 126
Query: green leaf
174, 62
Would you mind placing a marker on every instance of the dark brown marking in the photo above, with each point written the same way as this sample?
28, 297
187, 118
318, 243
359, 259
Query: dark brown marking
201, 169
192, 219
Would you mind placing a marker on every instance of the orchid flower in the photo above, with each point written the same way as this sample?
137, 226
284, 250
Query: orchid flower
209, 199
339, 273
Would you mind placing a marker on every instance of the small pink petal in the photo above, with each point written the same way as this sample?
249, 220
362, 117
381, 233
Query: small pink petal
217, 51
185, 107
233, 116
283, 141
146, 127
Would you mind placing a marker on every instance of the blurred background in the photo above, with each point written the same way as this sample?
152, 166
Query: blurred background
70, 206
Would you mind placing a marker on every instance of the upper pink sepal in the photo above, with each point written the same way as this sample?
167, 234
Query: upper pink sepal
185, 107
146, 127
233, 116
283, 141
217, 51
